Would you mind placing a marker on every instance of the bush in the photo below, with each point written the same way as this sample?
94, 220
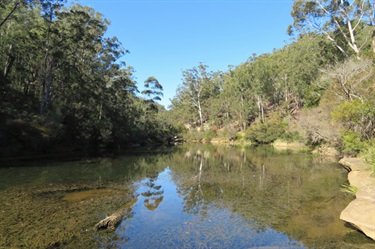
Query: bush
209, 135
267, 132
369, 155
315, 133
358, 116
194, 135
291, 136
351, 143
228, 133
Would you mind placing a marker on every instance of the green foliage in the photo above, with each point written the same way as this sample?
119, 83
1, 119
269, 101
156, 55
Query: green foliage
267, 132
369, 154
351, 143
291, 136
153, 89
241, 137
229, 133
209, 135
194, 135
358, 116
58, 69
283, 81
347, 188
347, 24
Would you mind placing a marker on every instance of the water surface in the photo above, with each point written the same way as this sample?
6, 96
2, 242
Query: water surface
191, 196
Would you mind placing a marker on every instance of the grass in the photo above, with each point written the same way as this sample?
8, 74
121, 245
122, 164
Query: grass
347, 188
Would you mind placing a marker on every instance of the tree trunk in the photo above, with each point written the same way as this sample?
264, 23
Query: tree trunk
7, 68
200, 113
261, 109
9, 63
46, 86
241, 114
112, 221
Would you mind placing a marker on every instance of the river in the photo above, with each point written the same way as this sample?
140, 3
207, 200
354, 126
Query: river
188, 196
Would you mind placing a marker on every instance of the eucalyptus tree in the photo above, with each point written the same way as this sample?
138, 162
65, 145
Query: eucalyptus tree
152, 121
349, 24
237, 91
153, 92
299, 67
263, 75
88, 74
348, 79
17, 44
192, 92
153, 89
11, 7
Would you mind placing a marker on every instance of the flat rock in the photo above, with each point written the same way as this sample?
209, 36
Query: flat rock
361, 212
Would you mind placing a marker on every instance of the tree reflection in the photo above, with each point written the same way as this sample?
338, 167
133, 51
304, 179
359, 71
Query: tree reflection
263, 186
153, 195
193, 195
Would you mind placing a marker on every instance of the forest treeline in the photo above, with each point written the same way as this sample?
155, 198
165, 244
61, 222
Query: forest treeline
318, 90
63, 84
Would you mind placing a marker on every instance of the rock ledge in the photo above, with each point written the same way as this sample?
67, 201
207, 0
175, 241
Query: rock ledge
361, 211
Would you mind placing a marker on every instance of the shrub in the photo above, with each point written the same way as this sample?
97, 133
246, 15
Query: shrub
369, 155
267, 132
315, 126
358, 116
209, 135
194, 135
291, 136
228, 133
351, 143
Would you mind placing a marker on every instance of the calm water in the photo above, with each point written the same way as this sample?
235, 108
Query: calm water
191, 196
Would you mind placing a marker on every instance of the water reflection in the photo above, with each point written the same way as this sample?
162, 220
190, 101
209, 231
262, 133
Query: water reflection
153, 195
173, 224
193, 196
213, 197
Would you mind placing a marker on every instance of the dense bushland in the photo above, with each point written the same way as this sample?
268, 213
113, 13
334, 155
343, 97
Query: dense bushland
63, 85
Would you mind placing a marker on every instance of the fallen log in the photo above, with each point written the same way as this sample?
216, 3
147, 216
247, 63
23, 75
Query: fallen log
112, 221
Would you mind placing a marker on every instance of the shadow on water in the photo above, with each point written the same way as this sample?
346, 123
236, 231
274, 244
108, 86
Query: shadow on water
194, 196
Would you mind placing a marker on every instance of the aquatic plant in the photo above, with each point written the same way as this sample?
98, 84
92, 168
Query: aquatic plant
347, 188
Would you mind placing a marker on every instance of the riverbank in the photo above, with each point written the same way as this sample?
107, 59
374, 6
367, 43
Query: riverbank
361, 211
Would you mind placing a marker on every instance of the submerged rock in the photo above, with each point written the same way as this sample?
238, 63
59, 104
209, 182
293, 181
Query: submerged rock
361, 211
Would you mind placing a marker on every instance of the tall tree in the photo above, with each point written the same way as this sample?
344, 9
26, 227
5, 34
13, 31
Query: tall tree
192, 90
153, 89
237, 91
349, 24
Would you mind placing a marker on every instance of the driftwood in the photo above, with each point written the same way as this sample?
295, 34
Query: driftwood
112, 221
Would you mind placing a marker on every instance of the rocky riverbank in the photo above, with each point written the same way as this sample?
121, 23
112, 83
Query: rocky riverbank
361, 211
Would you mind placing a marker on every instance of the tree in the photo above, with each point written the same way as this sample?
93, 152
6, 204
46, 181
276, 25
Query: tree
263, 75
299, 67
16, 5
192, 89
153, 91
349, 24
347, 79
237, 91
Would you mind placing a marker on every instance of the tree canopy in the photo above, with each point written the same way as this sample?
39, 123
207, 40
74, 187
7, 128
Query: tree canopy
59, 71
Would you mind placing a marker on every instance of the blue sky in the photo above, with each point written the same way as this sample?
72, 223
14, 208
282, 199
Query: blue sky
165, 37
